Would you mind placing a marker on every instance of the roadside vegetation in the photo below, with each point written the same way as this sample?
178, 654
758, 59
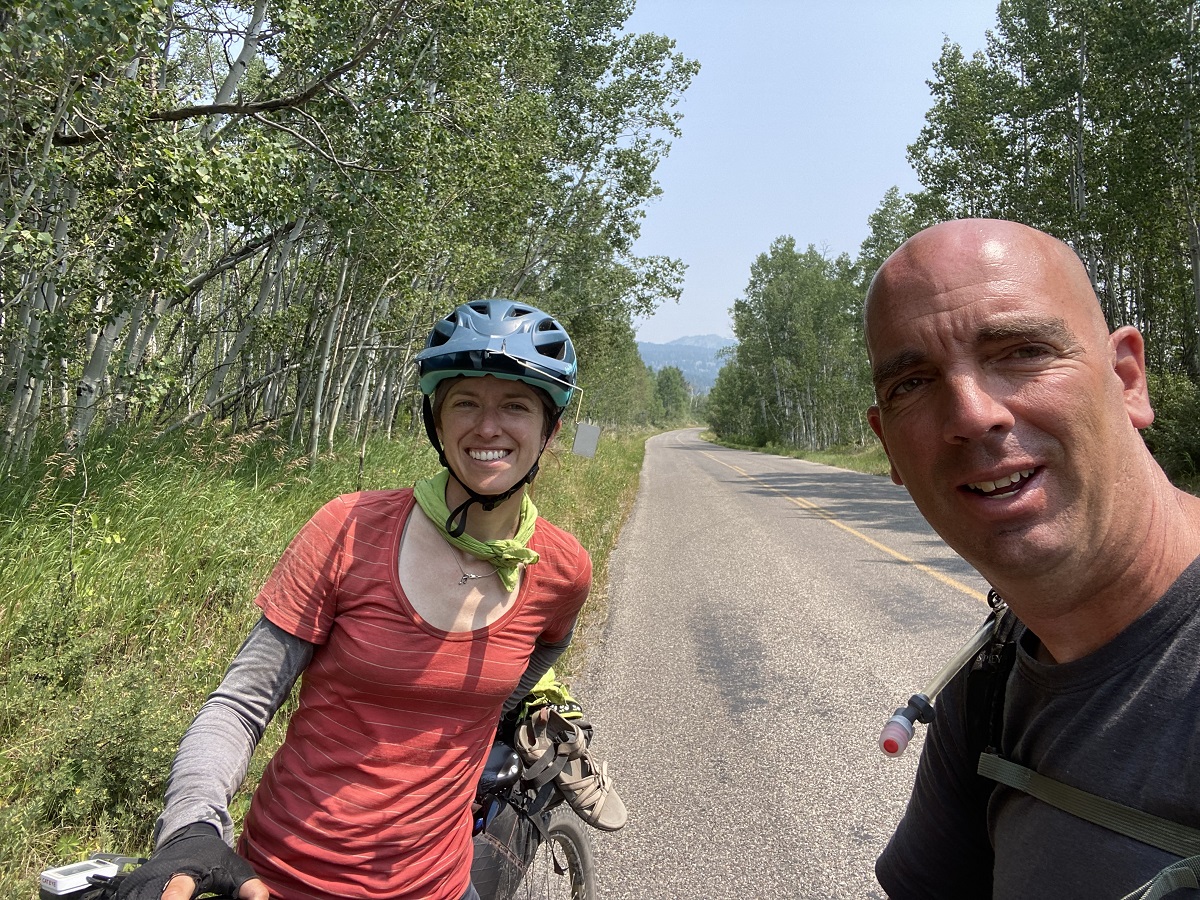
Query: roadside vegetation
129, 581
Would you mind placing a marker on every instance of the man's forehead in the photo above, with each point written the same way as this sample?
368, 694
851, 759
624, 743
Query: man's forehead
979, 291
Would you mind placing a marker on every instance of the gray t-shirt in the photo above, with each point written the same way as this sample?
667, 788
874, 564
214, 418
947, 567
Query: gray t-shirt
1123, 723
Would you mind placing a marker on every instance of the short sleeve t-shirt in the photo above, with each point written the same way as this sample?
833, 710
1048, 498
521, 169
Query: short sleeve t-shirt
370, 794
1121, 723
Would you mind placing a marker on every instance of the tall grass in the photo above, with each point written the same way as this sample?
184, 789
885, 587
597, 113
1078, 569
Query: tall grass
128, 580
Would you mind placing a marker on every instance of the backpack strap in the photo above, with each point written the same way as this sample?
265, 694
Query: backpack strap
1183, 874
1181, 840
987, 682
987, 679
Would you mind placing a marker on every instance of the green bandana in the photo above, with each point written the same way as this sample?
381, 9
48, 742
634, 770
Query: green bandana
506, 556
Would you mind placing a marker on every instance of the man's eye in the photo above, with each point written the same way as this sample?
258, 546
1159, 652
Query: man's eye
1030, 351
905, 386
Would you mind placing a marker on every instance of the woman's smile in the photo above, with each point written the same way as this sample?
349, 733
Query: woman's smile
492, 431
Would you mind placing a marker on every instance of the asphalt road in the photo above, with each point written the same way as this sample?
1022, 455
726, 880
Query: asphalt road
765, 618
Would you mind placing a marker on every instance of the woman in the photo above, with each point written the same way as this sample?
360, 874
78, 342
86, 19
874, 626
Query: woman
416, 617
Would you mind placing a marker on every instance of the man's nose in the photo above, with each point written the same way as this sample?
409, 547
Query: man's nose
974, 409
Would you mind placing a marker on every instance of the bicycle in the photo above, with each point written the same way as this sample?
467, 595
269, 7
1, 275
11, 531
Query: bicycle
529, 845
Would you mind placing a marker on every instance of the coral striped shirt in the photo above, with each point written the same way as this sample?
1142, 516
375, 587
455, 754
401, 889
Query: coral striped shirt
370, 794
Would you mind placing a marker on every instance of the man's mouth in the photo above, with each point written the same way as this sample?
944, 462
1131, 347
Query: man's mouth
487, 455
1005, 486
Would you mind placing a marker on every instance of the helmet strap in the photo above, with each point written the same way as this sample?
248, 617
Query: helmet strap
431, 431
456, 524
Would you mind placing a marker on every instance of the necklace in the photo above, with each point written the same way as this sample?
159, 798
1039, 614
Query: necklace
470, 576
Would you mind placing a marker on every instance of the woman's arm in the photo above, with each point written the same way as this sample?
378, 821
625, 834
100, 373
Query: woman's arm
544, 655
215, 751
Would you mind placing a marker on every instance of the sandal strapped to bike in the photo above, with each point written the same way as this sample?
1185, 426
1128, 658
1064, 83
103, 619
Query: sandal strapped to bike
555, 748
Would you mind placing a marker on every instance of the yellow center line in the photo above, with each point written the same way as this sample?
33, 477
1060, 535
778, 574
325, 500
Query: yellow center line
825, 514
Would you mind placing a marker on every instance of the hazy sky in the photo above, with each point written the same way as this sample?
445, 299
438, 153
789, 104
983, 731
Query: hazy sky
797, 124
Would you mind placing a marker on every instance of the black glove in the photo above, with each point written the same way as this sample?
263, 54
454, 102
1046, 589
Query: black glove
196, 851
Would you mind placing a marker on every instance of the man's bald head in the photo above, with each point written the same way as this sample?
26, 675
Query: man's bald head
1006, 407
942, 258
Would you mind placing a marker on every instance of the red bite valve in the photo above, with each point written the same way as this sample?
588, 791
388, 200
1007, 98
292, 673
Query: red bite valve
896, 734
898, 731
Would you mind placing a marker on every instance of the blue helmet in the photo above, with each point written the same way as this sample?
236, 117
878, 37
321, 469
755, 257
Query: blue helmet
502, 338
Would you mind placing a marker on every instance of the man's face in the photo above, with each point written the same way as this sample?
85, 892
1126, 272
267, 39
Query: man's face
1002, 402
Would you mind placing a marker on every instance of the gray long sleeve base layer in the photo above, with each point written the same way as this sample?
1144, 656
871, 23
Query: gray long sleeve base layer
215, 751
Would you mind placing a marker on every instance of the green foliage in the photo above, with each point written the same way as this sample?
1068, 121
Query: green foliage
130, 573
1079, 119
253, 213
675, 395
797, 376
894, 221
618, 389
732, 412
1174, 437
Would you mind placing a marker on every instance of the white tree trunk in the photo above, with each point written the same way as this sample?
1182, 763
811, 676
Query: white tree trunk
87, 395
237, 70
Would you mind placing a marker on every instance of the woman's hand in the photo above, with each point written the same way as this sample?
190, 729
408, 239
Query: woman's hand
182, 887
193, 860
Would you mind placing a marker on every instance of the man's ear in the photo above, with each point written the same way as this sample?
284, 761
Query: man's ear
1129, 363
877, 426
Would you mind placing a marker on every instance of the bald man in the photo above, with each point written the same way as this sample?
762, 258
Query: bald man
1012, 416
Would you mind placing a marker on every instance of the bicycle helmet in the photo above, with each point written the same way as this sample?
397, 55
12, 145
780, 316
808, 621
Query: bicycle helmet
502, 338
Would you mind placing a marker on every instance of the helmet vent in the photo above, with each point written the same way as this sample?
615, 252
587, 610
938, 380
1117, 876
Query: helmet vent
554, 349
441, 332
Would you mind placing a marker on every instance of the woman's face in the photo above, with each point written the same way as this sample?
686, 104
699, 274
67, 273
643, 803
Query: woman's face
492, 430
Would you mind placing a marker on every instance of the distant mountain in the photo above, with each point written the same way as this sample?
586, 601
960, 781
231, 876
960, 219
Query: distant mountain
696, 357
